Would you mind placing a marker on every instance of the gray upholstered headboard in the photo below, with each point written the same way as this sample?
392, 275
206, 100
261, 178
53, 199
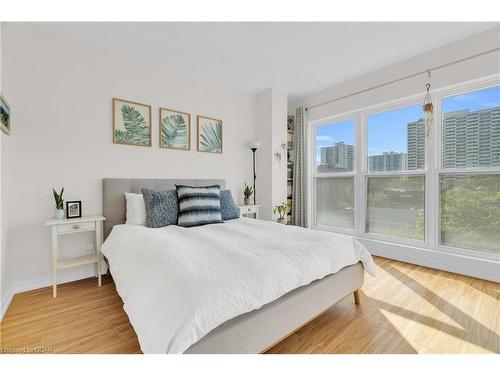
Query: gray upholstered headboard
113, 198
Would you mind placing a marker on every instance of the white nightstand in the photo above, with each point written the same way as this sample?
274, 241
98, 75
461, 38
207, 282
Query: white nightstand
68, 226
249, 210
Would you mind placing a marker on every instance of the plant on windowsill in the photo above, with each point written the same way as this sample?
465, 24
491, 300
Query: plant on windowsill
281, 209
58, 198
247, 193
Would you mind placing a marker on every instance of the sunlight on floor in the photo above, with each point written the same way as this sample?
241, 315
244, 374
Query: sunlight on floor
428, 321
424, 338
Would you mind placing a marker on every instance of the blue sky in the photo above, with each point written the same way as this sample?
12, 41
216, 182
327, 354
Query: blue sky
387, 131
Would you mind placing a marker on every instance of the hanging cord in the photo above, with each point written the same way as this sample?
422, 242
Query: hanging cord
428, 107
428, 98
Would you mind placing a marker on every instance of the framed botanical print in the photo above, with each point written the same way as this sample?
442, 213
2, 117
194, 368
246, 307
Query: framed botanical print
209, 134
4, 115
175, 129
131, 123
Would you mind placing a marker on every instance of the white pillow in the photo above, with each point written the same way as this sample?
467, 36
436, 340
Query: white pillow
136, 209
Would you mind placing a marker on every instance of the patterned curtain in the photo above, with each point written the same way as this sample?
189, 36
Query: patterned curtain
299, 190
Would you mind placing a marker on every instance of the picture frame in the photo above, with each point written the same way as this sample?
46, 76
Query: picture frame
73, 209
210, 134
131, 123
175, 129
5, 116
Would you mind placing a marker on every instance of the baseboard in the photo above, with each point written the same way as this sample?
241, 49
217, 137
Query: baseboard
446, 261
44, 282
5, 303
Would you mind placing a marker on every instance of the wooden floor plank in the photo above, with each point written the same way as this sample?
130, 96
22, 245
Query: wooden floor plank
405, 309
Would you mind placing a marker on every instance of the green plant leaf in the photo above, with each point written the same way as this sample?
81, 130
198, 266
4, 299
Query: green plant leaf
248, 191
174, 132
58, 198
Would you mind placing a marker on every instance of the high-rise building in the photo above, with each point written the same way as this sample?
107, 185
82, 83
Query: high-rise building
471, 139
388, 161
340, 156
416, 145
327, 155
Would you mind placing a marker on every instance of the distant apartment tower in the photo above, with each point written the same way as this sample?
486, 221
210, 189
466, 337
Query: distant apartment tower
327, 155
388, 161
340, 156
471, 139
416, 145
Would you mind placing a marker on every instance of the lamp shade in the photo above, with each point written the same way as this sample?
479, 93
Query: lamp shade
254, 144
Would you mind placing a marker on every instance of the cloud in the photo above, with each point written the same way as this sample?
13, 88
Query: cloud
325, 138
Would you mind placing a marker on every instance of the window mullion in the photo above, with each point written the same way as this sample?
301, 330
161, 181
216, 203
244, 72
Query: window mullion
432, 149
359, 179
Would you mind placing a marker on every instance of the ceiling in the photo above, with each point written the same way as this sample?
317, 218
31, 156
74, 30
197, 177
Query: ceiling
299, 58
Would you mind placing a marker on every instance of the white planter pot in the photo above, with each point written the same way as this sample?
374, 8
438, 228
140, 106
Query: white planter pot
59, 214
282, 221
246, 201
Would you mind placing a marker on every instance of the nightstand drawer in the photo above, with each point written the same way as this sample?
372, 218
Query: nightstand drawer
76, 227
248, 210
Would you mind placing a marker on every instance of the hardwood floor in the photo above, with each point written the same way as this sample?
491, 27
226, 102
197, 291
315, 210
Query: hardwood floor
406, 309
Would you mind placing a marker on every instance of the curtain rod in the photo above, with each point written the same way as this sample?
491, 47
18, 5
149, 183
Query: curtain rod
427, 71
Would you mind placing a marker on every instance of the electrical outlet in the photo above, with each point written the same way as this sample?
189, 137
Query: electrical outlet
89, 247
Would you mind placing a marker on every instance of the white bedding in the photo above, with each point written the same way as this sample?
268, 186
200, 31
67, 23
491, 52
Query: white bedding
178, 284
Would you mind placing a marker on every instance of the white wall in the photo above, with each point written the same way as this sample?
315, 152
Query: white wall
60, 90
271, 116
465, 71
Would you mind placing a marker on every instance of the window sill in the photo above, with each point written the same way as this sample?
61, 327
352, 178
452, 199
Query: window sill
483, 265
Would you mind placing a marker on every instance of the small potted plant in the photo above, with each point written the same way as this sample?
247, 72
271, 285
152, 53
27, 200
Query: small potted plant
247, 193
281, 209
58, 197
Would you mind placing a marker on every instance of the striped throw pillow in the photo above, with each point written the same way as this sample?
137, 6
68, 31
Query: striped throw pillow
198, 205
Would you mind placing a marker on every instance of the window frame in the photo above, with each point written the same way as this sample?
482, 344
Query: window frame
432, 172
314, 175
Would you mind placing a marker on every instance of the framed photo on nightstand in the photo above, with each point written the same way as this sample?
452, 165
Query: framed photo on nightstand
73, 209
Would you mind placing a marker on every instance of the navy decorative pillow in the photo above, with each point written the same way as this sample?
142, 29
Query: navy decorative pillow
198, 205
162, 207
228, 209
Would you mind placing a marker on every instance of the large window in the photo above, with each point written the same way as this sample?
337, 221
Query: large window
335, 202
470, 202
379, 173
396, 206
470, 211
471, 129
335, 147
396, 144
334, 168
396, 140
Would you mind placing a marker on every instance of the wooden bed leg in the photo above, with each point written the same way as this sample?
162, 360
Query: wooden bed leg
357, 299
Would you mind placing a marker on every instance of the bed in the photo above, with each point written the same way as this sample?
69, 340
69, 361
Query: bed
236, 287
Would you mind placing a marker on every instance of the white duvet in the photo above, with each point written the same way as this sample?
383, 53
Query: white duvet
178, 284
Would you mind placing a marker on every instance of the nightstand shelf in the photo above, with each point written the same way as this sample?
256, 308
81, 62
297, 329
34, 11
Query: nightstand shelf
70, 226
74, 262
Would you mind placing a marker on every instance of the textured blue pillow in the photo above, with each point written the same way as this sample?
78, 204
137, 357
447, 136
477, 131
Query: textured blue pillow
162, 207
228, 209
198, 205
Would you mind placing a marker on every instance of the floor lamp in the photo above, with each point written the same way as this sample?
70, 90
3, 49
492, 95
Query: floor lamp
254, 146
